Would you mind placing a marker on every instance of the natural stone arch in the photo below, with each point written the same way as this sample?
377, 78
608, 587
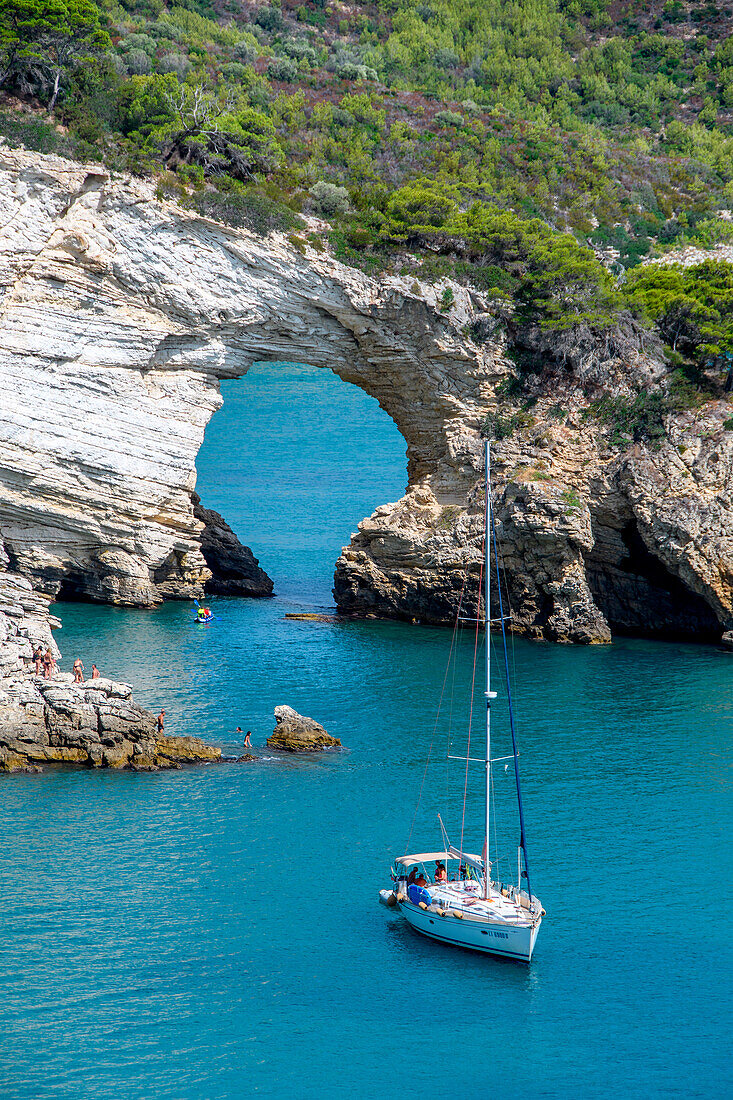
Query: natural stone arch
121, 315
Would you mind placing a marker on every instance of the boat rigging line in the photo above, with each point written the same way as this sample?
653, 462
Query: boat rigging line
522, 834
437, 716
473, 682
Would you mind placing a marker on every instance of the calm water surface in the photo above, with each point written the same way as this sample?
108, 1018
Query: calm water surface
215, 933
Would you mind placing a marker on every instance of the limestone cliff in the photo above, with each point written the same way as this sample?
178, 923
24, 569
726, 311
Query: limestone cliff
593, 540
121, 314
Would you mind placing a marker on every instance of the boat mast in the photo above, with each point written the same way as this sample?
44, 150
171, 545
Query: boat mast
489, 693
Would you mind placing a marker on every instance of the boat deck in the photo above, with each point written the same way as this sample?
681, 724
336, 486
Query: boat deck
465, 898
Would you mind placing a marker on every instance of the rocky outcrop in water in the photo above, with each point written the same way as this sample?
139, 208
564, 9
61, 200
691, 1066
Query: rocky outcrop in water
593, 540
95, 724
295, 733
235, 570
55, 721
121, 314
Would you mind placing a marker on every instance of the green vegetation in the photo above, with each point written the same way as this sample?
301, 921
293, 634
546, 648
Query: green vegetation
640, 419
43, 41
691, 306
447, 300
498, 426
447, 518
537, 150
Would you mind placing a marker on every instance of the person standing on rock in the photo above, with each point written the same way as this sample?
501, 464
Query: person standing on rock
160, 722
49, 664
38, 658
95, 672
78, 671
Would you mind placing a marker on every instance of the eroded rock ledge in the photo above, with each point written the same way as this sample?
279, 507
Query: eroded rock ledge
95, 724
235, 570
120, 316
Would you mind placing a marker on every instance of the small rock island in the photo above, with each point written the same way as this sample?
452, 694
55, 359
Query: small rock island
295, 733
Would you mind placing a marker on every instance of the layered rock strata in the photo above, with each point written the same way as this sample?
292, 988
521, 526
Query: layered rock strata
94, 724
592, 540
295, 733
120, 316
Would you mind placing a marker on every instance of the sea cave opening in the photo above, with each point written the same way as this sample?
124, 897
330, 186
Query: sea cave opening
293, 460
639, 595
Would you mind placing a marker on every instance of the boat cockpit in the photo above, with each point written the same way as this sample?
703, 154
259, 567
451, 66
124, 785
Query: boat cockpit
455, 882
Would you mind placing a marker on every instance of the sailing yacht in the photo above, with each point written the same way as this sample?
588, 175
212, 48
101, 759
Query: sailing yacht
449, 894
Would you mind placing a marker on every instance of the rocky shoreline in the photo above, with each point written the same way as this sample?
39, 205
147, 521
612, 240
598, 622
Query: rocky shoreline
93, 724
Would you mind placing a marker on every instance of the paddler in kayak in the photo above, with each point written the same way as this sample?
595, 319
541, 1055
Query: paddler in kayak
204, 614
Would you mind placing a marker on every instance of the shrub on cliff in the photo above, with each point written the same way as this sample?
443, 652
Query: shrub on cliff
691, 306
329, 199
43, 41
143, 107
641, 418
560, 282
555, 281
284, 69
205, 128
238, 205
417, 210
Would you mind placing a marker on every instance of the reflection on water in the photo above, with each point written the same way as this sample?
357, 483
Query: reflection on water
216, 933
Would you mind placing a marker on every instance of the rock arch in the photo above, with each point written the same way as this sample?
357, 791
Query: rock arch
122, 314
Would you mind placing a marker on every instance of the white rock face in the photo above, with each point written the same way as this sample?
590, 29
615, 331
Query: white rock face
120, 316
24, 624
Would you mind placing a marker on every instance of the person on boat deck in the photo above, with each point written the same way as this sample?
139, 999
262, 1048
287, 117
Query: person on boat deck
421, 880
440, 875
412, 876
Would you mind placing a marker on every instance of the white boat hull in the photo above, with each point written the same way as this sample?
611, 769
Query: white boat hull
490, 937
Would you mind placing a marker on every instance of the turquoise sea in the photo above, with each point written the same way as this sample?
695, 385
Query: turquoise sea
215, 933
